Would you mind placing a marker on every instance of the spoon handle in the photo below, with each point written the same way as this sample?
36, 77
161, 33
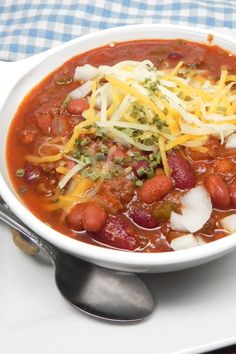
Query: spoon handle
11, 220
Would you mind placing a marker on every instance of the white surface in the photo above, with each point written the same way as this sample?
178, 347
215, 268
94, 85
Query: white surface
195, 311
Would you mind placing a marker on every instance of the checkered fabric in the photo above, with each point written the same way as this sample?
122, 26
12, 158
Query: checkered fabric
31, 26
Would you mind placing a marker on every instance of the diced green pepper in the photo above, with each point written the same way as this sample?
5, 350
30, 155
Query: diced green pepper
161, 211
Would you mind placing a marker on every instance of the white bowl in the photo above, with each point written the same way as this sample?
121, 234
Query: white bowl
16, 81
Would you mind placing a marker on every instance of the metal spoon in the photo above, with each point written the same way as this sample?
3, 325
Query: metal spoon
100, 292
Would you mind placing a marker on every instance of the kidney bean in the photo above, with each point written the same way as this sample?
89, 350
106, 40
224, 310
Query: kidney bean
181, 171
232, 191
77, 106
155, 189
94, 217
119, 233
218, 190
174, 56
75, 217
142, 216
32, 173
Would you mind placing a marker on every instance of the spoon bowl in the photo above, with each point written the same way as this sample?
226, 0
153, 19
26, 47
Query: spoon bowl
103, 293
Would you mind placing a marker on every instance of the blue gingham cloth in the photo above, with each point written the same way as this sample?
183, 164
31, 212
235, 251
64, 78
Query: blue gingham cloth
31, 26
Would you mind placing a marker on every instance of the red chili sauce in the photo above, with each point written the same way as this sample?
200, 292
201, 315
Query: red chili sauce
124, 216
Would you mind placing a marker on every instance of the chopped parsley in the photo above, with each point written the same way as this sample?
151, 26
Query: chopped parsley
100, 156
138, 183
20, 172
22, 189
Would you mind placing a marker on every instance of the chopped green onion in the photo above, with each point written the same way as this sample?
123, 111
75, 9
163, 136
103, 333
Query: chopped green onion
100, 156
115, 173
141, 158
136, 154
20, 172
94, 176
85, 173
127, 159
77, 141
99, 133
118, 160
76, 153
22, 189
104, 148
85, 141
128, 169
150, 173
88, 160
141, 171
107, 176
138, 183
153, 164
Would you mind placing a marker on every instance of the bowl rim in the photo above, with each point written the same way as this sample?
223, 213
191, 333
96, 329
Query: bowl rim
108, 255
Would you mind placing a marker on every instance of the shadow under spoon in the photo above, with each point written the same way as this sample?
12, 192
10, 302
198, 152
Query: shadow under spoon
100, 292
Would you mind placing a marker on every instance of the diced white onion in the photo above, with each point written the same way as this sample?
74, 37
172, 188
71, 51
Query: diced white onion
229, 223
200, 240
103, 91
86, 72
123, 63
231, 142
184, 242
176, 222
70, 174
81, 91
196, 210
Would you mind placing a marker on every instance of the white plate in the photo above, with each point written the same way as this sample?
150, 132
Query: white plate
195, 311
